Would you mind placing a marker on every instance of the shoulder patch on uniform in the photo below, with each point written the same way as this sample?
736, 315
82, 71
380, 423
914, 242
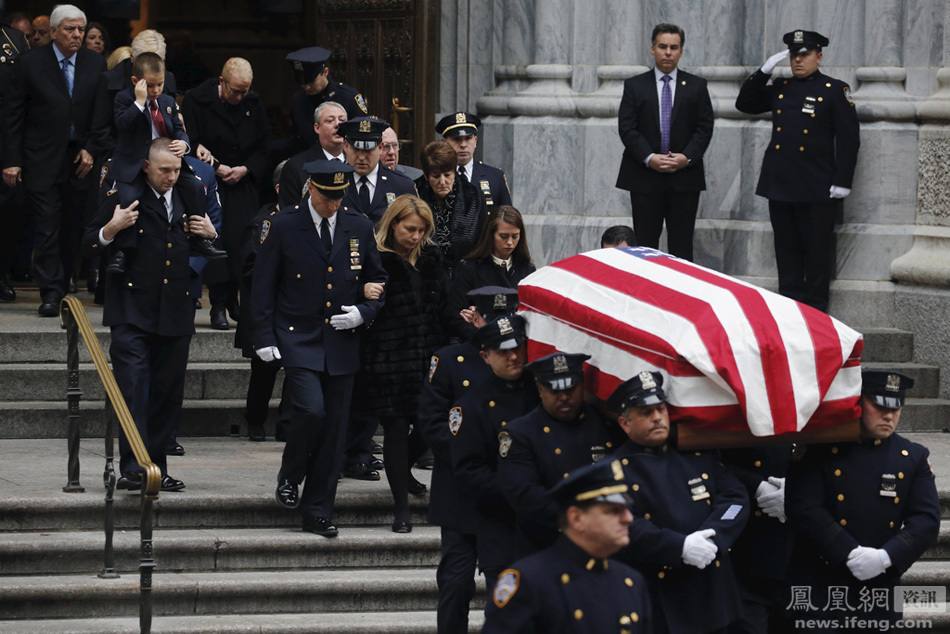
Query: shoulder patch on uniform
506, 587
361, 102
433, 364
455, 420
265, 229
102, 174
505, 176
504, 444
847, 95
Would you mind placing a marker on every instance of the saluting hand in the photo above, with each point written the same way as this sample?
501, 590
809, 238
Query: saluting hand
141, 92
122, 218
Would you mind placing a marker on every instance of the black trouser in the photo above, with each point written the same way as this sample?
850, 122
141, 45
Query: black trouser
763, 607
805, 249
314, 449
677, 209
150, 371
456, 579
58, 225
363, 424
17, 222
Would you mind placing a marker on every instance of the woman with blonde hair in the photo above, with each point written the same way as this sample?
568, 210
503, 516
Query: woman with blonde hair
406, 332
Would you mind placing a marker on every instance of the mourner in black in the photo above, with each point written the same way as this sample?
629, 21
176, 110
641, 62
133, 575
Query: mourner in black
541, 448
316, 87
453, 370
478, 423
500, 258
571, 587
618, 236
328, 146
150, 311
460, 129
864, 512
308, 307
690, 511
808, 165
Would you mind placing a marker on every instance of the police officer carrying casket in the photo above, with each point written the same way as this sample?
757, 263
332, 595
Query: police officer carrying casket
690, 511
544, 446
477, 423
571, 586
864, 511
453, 370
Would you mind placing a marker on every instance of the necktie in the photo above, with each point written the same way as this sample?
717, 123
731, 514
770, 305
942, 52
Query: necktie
325, 235
168, 211
364, 193
157, 119
462, 175
68, 75
666, 109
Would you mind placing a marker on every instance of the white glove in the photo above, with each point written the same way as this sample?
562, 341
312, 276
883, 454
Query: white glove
699, 549
268, 354
838, 192
772, 500
773, 61
348, 319
867, 563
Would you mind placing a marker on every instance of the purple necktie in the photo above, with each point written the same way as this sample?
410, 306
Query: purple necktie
666, 109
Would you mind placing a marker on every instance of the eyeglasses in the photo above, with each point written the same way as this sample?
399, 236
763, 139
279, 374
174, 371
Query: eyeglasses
239, 93
390, 147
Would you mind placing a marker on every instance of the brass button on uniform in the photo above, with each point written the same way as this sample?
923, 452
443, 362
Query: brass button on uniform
329, 269
329, 286
781, 96
758, 513
758, 463
165, 281
804, 131
777, 146
465, 383
828, 85
661, 574
900, 475
326, 321
491, 403
834, 450
547, 430
291, 329
578, 615
904, 452
778, 129
705, 476
837, 472
298, 276
557, 451
843, 522
891, 525
169, 245
460, 358
646, 516
841, 497
778, 112
167, 263
565, 578
635, 487
629, 582
897, 500
801, 149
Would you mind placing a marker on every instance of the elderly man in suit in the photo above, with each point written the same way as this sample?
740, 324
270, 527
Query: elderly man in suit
666, 122
327, 119
56, 122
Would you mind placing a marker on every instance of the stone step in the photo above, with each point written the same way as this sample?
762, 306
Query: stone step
222, 550
401, 622
887, 345
925, 415
941, 550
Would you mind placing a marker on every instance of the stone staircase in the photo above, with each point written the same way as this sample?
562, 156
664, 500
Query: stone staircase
228, 558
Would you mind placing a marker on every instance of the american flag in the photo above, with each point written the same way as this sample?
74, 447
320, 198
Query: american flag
734, 357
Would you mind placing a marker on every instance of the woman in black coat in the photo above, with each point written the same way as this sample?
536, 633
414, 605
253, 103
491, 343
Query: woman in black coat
401, 340
456, 204
500, 258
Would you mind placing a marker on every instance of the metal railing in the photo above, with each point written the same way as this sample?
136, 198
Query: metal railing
73, 319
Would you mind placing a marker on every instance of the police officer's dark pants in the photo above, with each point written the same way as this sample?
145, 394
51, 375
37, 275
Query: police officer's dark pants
16, 219
362, 426
763, 610
677, 209
260, 389
456, 580
314, 449
804, 249
58, 225
150, 371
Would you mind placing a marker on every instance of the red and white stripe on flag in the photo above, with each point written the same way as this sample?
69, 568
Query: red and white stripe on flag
734, 357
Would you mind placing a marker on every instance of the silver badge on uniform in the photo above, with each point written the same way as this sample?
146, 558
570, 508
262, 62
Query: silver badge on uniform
809, 106
486, 192
168, 109
646, 380
501, 302
698, 489
504, 326
597, 453
560, 364
888, 485
355, 254
893, 383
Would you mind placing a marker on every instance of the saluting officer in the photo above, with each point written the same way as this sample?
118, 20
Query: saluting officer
316, 86
808, 165
571, 586
453, 370
690, 511
864, 511
460, 129
307, 307
477, 423
541, 448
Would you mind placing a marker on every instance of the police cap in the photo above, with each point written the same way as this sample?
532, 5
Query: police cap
602, 481
501, 333
886, 388
458, 124
803, 41
644, 389
490, 301
330, 177
363, 133
308, 63
559, 371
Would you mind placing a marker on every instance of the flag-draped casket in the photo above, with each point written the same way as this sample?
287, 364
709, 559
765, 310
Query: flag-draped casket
734, 357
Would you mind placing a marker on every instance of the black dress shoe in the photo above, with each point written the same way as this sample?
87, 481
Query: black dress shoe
287, 493
72, 288
376, 463
360, 471
426, 460
50, 305
320, 526
197, 304
234, 310
205, 248
174, 449
416, 487
376, 447
131, 481
255, 433
7, 294
171, 484
402, 526
219, 321
117, 264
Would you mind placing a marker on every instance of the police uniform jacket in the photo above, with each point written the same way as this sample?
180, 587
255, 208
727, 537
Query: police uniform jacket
389, 185
302, 106
154, 293
562, 589
677, 493
12, 45
537, 451
243, 338
472, 274
134, 132
297, 288
452, 371
691, 128
492, 184
875, 493
815, 136
293, 178
478, 421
